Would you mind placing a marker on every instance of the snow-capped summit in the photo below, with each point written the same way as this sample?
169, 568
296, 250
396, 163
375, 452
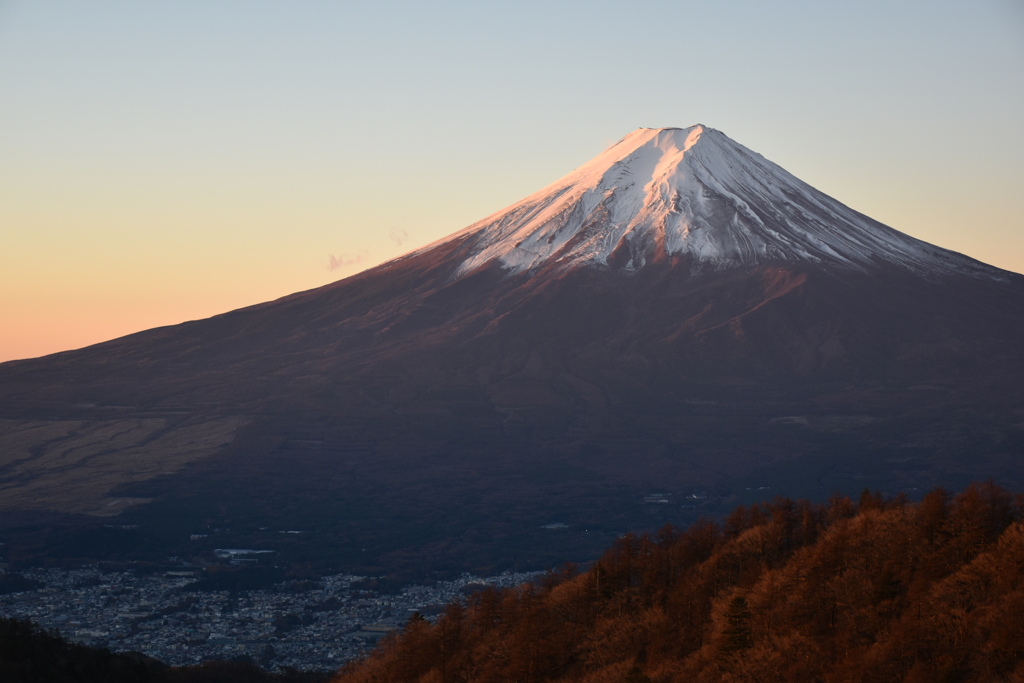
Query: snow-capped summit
666, 192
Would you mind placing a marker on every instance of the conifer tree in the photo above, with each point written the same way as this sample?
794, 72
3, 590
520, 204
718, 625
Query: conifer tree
737, 635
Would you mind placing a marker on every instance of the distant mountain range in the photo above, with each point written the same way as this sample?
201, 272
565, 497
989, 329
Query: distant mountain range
678, 316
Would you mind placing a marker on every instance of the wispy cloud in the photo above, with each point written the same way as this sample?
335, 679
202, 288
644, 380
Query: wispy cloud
346, 260
398, 236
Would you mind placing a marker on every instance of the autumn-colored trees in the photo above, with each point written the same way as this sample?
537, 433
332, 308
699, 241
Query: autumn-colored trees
880, 590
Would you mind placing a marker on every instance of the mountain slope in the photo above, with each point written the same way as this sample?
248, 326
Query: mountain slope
678, 315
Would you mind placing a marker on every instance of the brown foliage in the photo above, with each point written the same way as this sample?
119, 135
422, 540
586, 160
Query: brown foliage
881, 590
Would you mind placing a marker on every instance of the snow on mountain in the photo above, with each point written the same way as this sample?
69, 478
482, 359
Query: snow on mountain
662, 192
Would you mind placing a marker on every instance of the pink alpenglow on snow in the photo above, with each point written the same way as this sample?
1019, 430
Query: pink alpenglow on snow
662, 192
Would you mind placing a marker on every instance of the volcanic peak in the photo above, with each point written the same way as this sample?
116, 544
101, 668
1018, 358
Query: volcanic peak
662, 192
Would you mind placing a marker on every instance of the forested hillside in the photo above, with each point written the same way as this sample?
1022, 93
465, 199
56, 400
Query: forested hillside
880, 590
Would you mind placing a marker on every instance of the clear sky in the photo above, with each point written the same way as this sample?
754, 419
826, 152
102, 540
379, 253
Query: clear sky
162, 162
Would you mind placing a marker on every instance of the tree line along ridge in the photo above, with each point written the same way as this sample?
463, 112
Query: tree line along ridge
877, 590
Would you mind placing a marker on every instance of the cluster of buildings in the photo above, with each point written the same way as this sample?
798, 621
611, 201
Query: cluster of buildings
308, 627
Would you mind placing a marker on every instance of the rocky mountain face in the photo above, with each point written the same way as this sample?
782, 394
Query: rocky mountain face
678, 316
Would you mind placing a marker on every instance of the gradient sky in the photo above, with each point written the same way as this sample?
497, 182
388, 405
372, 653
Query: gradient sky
161, 162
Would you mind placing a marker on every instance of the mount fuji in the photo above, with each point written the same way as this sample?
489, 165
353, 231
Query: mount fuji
679, 315
692, 193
